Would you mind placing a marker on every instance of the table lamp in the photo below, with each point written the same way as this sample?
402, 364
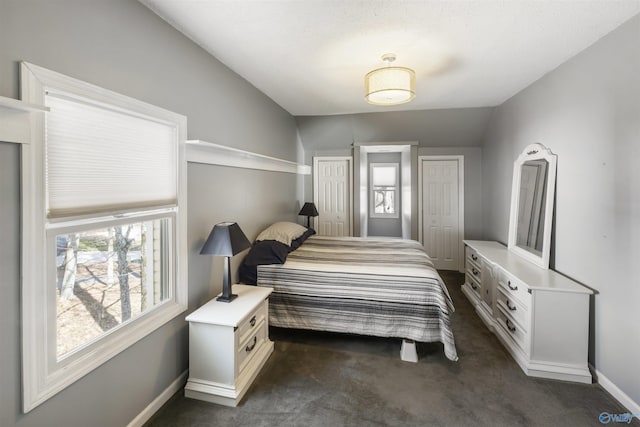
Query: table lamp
308, 210
226, 239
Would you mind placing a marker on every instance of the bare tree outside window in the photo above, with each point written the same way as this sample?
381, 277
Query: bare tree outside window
91, 302
384, 201
384, 190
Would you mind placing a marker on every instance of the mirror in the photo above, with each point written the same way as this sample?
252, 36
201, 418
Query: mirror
532, 195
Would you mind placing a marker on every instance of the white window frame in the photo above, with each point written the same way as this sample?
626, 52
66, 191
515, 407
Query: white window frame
43, 375
372, 189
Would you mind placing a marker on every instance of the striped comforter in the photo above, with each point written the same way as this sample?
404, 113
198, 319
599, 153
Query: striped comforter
369, 286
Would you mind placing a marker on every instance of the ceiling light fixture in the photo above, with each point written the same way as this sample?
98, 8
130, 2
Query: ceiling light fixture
390, 85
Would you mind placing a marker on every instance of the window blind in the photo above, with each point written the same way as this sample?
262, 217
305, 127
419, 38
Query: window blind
384, 176
99, 159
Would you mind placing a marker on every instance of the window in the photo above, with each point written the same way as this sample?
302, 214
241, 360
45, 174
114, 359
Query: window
106, 277
384, 190
104, 232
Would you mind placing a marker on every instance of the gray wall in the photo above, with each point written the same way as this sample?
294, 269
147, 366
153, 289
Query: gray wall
438, 132
587, 111
123, 46
256, 199
462, 127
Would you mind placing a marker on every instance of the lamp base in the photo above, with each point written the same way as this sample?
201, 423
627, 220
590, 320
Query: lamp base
224, 298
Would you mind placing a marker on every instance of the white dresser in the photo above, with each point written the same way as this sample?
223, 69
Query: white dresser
228, 345
541, 316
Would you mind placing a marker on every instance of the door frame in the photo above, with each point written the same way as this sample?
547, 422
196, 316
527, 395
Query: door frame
460, 160
349, 159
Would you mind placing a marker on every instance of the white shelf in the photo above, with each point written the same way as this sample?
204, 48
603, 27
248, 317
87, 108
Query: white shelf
215, 154
16, 119
16, 104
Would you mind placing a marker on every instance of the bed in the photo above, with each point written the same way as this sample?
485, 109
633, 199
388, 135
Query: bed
369, 286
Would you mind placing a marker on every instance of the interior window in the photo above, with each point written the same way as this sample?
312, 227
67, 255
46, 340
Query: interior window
384, 190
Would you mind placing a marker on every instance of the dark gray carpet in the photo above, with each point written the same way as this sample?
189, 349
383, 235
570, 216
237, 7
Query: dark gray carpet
323, 379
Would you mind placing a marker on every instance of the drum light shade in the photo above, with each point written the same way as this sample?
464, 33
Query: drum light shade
390, 85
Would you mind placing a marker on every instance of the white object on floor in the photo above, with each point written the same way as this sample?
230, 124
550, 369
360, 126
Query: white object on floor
408, 351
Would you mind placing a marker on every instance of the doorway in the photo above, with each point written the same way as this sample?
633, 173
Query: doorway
401, 223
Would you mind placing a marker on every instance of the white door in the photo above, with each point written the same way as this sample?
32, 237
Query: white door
441, 214
332, 178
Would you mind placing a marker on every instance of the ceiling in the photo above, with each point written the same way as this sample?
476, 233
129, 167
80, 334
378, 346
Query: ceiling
311, 56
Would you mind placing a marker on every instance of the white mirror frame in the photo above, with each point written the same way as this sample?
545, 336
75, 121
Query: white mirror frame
533, 152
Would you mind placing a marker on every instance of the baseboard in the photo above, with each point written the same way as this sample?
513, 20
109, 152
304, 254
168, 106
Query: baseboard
157, 403
619, 395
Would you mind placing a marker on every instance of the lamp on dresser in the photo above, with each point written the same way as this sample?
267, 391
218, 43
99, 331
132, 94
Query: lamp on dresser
226, 239
308, 210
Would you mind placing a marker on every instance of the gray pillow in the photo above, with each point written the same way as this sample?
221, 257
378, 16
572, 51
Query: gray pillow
283, 232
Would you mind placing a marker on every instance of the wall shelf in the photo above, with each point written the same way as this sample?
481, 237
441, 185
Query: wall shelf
15, 119
215, 154
16, 104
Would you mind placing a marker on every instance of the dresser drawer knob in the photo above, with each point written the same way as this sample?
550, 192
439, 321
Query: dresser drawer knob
253, 344
511, 327
511, 307
475, 272
252, 322
473, 257
474, 286
513, 288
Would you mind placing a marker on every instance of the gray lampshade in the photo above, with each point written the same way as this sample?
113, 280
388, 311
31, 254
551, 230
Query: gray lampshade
225, 239
309, 209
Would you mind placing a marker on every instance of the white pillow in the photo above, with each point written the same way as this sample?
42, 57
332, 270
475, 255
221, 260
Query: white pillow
283, 232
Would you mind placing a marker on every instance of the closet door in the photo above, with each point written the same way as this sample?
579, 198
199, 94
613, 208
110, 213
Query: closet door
332, 195
441, 206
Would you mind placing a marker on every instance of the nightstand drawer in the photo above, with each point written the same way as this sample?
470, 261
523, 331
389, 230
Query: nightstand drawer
250, 324
251, 345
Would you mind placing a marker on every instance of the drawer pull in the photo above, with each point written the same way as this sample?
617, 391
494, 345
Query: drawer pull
511, 307
252, 346
474, 286
473, 257
475, 272
513, 288
252, 322
510, 326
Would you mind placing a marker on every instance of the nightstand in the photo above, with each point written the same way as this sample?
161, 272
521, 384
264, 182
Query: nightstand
228, 345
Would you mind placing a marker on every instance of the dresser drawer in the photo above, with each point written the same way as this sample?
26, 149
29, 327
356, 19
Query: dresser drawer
472, 257
515, 309
250, 346
474, 272
514, 289
513, 329
251, 322
474, 285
